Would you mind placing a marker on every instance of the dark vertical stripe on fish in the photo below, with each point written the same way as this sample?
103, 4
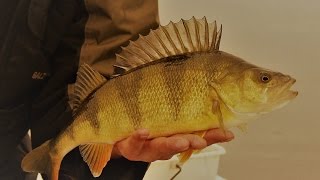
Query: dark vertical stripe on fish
91, 117
94, 120
174, 72
128, 88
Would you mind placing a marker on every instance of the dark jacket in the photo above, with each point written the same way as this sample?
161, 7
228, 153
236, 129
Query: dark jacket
42, 44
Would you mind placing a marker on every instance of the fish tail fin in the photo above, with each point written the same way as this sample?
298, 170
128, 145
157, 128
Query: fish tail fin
40, 160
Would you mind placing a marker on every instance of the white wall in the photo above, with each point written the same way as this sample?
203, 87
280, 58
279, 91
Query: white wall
280, 35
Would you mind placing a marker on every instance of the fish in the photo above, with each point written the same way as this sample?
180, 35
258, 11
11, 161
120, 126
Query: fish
173, 80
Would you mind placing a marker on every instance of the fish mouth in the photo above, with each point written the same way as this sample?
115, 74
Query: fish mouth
286, 93
293, 93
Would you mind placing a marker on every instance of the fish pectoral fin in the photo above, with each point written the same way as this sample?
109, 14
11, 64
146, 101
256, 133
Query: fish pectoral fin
184, 156
217, 111
96, 156
200, 133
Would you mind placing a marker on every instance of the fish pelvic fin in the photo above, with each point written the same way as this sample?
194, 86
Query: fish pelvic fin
185, 156
96, 156
185, 36
40, 160
88, 80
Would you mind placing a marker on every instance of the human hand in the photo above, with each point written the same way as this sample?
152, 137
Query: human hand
139, 148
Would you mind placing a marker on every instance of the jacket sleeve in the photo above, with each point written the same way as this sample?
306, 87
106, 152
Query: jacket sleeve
24, 70
17, 66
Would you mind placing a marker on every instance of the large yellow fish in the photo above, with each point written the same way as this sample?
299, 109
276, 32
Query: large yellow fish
175, 81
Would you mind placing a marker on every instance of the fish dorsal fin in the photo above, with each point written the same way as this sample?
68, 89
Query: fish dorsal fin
185, 36
96, 156
87, 81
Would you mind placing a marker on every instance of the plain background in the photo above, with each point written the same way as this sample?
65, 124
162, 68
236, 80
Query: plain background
283, 36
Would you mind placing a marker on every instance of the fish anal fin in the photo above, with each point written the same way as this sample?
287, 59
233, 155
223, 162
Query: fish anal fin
88, 80
96, 156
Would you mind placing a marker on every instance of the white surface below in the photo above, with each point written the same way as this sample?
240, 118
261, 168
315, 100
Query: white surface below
201, 166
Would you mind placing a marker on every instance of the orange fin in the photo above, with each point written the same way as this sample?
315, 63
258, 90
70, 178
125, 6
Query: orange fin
184, 156
96, 156
201, 134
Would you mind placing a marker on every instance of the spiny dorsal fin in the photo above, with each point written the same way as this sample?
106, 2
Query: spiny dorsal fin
87, 81
96, 156
185, 36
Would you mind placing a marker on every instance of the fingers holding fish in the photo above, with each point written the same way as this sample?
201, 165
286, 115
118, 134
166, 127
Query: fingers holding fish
138, 148
195, 141
163, 148
177, 144
132, 146
213, 136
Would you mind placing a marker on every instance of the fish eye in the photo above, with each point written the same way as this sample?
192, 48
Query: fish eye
265, 77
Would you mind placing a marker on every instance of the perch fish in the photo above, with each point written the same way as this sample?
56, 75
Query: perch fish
174, 80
